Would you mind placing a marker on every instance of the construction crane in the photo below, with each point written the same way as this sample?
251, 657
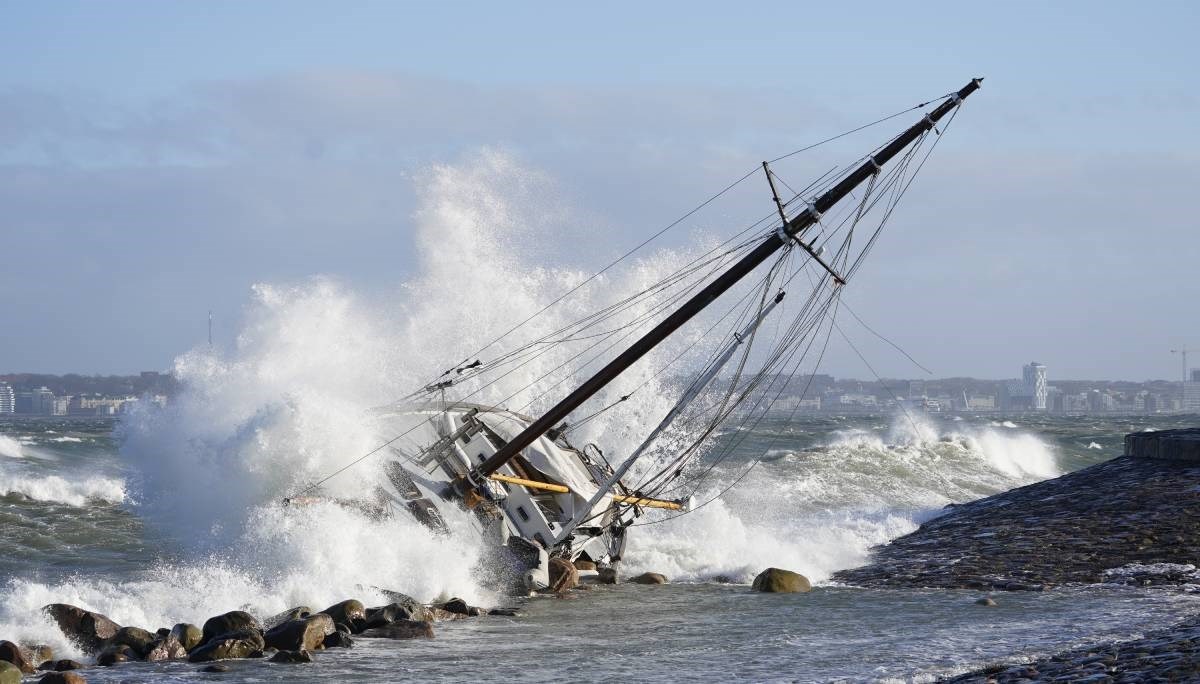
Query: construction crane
1183, 352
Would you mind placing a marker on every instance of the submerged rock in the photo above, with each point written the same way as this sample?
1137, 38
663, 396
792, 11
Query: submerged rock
563, 575
232, 621
292, 657
606, 576
650, 578
402, 629
86, 629
306, 634
61, 665
215, 668
506, 612
779, 581
62, 678
11, 653
985, 601
188, 635
338, 640
350, 612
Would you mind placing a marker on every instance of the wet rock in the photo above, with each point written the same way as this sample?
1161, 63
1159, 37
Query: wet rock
292, 657
215, 668
162, 632
63, 665
338, 640
232, 621
188, 635
456, 605
117, 653
350, 612
650, 578
386, 615
135, 638
779, 581
38, 654
307, 634
297, 613
166, 648
402, 629
86, 629
563, 575
985, 601
62, 678
244, 643
9, 673
507, 612
584, 565
606, 576
11, 653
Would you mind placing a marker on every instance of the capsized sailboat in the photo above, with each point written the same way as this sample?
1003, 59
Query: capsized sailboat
521, 482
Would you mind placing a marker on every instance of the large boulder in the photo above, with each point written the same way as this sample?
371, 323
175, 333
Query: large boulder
9, 673
307, 634
62, 678
563, 575
166, 648
11, 653
86, 629
232, 621
385, 615
650, 578
349, 612
38, 654
297, 613
140, 640
777, 581
188, 635
402, 629
243, 643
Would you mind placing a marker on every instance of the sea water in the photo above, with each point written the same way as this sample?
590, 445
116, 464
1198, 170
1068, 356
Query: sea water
834, 486
175, 513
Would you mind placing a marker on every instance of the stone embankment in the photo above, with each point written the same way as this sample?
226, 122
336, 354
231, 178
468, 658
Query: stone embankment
1132, 520
1131, 512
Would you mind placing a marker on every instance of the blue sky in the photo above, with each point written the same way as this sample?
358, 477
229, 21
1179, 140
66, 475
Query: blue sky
157, 159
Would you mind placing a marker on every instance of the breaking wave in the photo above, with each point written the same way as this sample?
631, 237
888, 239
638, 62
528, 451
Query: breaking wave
820, 509
57, 489
10, 447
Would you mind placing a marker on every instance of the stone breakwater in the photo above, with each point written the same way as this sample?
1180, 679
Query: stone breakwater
1167, 655
1112, 522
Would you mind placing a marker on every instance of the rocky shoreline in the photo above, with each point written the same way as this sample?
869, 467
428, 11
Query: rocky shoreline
1106, 523
1133, 520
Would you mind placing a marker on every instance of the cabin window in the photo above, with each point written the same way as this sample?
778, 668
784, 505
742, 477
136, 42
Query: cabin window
521, 512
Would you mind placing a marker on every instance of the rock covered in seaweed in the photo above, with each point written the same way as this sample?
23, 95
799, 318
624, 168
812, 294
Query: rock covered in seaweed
779, 581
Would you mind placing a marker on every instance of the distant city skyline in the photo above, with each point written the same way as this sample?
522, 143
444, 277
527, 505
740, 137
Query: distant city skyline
157, 160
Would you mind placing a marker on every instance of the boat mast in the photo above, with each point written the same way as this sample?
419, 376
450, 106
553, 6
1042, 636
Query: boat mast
771, 244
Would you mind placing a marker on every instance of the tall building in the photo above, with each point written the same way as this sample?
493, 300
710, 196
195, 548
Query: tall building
41, 402
8, 400
1035, 383
1191, 392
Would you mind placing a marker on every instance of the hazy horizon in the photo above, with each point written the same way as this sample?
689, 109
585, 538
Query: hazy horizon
158, 160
